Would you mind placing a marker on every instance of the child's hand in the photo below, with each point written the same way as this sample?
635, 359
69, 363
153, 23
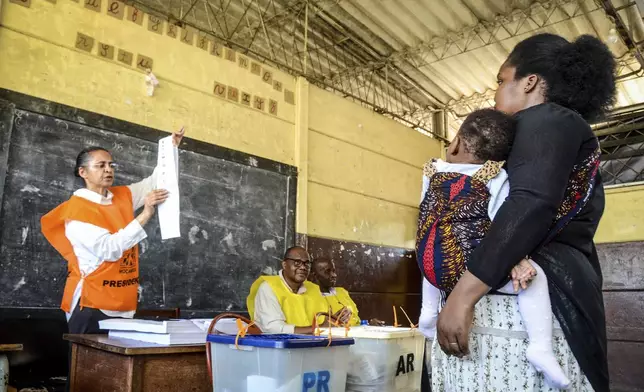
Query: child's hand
522, 274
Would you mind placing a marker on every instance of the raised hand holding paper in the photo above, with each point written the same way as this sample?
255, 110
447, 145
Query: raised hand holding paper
168, 179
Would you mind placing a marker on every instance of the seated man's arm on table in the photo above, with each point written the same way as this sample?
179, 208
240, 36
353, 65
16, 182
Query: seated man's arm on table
269, 315
355, 318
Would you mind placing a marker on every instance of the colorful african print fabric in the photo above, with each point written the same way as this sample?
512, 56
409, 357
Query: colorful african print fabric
580, 187
454, 217
453, 220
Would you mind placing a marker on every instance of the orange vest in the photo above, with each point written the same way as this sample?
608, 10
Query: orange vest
113, 285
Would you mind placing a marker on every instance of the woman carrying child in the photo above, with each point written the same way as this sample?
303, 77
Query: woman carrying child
553, 88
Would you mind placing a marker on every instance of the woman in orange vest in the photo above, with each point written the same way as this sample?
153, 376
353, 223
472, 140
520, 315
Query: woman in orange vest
98, 235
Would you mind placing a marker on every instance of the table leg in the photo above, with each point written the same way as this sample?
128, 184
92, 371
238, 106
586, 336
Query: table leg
71, 378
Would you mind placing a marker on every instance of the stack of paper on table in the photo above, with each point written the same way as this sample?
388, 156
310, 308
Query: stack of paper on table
166, 332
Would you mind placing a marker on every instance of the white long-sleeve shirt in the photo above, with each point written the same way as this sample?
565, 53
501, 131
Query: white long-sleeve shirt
95, 245
499, 188
268, 313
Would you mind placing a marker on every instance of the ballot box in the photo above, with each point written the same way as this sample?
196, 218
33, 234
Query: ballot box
383, 359
279, 363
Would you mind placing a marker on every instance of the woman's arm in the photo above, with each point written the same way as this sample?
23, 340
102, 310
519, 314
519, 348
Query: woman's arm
142, 188
99, 244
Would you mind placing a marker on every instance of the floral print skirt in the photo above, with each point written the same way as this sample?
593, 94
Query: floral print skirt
497, 361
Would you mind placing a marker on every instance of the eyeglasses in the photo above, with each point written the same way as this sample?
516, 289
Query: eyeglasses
102, 165
300, 263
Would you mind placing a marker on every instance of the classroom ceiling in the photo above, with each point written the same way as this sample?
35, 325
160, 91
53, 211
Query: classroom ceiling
409, 59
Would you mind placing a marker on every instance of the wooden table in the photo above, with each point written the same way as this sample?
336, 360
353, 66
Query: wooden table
104, 364
4, 364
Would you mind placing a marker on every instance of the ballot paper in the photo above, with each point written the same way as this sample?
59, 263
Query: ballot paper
168, 179
261, 384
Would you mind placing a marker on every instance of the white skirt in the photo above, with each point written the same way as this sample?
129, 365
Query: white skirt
497, 361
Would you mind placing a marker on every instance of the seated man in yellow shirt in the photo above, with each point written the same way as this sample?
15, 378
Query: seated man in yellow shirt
286, 303
325, 276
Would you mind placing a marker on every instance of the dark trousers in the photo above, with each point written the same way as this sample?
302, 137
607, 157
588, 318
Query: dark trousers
83, 321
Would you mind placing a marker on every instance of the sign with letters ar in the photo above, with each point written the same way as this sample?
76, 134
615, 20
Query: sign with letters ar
405, 365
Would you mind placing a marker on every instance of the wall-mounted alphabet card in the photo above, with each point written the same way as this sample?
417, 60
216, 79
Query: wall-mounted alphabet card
173, 30
244, 62
277, 85
233, 94
116, 9
245, 98
187, 35
220, 90
231, 55
267, 76
155, 24
144, 62
106, 51
289, 97
125, 57
135, 15
259, 103
24, 3
217, 49
84, 42
272, 107
255, 68
94, 5
203, 41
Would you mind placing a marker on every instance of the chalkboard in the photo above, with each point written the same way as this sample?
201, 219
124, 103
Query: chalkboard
236, 219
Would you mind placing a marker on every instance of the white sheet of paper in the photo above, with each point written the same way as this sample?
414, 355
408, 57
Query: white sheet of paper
168, 179
260, 384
